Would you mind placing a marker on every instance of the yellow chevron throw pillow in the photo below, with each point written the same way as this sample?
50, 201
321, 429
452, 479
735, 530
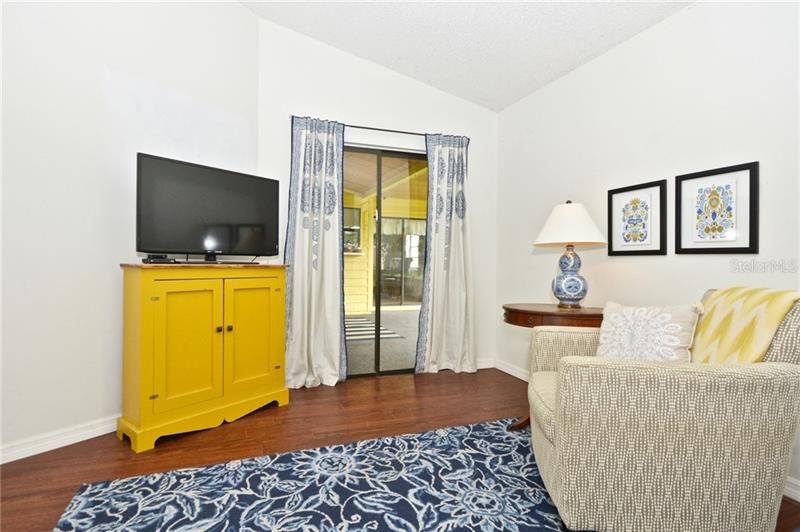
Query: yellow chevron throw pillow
738, 324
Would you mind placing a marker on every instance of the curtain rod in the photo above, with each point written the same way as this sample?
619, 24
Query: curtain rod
387, 130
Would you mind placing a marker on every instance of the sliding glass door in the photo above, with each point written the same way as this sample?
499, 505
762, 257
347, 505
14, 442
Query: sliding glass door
401, 274
385, 210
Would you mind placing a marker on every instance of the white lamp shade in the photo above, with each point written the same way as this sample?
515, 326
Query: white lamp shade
570, 223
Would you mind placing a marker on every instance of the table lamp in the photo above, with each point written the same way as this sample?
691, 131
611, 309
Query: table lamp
569, 225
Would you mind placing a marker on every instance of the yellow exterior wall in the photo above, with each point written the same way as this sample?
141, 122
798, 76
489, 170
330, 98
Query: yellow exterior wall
357, 273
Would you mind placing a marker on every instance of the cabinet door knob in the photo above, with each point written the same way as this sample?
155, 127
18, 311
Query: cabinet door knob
230, 328
219, 328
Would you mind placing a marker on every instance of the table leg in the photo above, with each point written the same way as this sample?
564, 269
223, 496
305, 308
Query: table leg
521, 423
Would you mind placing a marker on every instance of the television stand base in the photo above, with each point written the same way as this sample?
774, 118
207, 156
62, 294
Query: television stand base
153, 258
158, 259
210, 262
211, 258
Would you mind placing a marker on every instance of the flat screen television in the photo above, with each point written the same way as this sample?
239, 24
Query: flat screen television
192, 209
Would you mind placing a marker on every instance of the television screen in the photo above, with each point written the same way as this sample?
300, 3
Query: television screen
189, 208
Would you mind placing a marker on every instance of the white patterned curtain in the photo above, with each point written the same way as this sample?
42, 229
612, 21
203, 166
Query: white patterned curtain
445, 322
315, 351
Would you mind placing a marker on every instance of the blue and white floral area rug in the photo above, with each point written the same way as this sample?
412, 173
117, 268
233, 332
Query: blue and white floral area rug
473, 477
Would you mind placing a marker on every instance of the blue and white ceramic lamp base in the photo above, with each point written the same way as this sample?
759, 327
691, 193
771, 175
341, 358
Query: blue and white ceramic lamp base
569, 286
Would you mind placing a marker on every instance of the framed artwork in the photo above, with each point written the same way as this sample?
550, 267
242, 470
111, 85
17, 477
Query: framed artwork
716, 211
637, 219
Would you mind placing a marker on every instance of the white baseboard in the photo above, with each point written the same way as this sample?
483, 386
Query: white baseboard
57, 438
486, 363
505, 367
511, 369
792, 489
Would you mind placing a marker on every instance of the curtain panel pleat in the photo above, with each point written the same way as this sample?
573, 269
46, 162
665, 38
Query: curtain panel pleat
445, 325
315, 343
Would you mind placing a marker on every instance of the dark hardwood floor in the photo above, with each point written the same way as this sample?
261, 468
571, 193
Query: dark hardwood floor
35, 490
789, 517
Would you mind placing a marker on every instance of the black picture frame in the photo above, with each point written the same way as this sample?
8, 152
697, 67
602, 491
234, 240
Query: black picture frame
752, 210
662, 219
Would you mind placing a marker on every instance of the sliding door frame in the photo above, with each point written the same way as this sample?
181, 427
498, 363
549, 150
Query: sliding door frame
376, 297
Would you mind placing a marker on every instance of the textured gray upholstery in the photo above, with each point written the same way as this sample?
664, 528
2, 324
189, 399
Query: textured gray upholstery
627, 445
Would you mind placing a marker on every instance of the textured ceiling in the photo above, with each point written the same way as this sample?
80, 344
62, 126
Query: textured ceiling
490, 53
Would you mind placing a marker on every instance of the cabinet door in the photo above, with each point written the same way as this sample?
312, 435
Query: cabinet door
254, 337
187, 343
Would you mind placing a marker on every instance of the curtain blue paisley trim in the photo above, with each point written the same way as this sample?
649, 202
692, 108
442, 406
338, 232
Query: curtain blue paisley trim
340, 179
422, 328
447, 173
288, 246
315, 203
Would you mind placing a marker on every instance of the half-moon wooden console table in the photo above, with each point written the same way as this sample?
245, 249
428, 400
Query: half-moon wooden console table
536, 314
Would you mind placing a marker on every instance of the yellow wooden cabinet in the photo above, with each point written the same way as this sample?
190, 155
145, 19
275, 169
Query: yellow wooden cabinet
202, 345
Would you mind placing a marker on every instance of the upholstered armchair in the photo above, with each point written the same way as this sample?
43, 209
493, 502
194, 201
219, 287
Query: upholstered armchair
626, 445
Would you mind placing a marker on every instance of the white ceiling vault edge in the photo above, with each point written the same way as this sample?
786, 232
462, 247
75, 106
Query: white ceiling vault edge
490, 53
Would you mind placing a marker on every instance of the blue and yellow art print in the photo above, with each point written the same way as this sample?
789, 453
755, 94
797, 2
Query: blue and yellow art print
635, 228
715, 212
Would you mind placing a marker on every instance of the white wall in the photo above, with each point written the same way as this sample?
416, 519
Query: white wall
1, 232
710, 86
303, 77
84, 88
795, 471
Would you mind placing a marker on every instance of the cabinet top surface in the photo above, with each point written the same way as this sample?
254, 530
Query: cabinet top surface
543, 308
194, 265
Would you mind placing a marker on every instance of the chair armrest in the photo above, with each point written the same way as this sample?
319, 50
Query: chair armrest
551, 343
647, 433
